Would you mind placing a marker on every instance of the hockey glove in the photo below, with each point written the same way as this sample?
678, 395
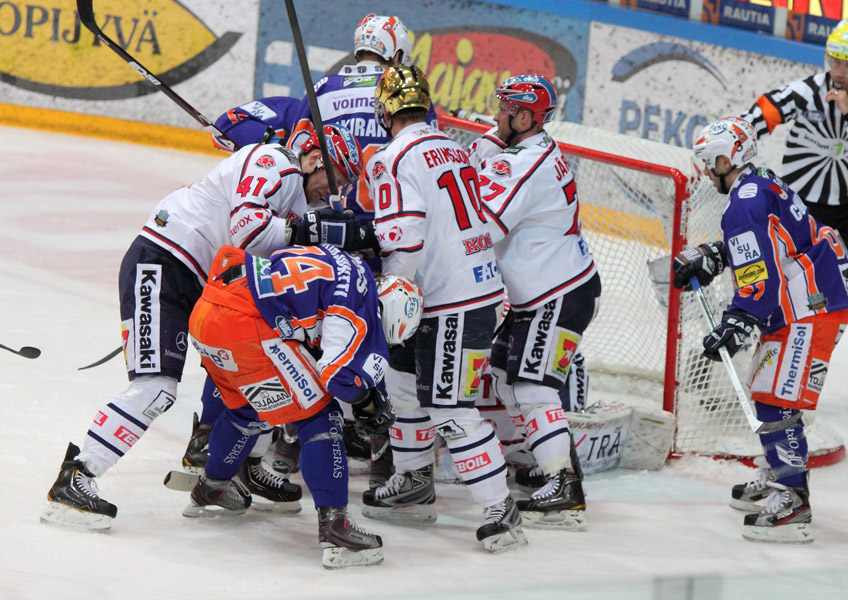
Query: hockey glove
373, 411
736, 325
342, 230
704, 262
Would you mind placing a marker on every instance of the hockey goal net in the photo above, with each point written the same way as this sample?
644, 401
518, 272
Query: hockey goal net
642, 202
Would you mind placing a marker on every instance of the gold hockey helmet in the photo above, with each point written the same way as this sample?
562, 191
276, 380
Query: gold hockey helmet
399, 88
837, 41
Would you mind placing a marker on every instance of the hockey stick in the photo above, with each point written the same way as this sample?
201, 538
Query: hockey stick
335, 199
106, 358
26, 351
86, 15
756, 425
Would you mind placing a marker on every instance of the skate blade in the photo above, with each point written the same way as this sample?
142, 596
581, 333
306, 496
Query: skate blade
276, 507
71, 518
210, 512
745, 505
339, 558
508, 540
793, 533
415, 513
568, 520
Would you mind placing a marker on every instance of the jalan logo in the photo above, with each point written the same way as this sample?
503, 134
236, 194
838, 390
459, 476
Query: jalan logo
47, 49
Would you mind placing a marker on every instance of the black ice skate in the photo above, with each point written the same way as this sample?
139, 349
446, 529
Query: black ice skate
73, 500
406, 496
784, 518
197, 452
530, 478
357, 446
747, 496
218, 497
344, 543
280, 493
501, 529
286, 459
381, 461
559, 504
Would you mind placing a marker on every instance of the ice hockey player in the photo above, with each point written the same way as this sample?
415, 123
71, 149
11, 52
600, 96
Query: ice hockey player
256, 327
429, 222
266, 120
789, 273
815, 157
530, 199
244, 201
347, 98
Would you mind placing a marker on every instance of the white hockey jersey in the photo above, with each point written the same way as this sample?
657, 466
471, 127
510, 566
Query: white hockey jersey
430, 223
242, 202
530, 199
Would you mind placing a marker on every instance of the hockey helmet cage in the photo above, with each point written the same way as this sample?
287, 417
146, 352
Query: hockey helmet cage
401, 307
384, 36
533, 92
400, 87
343, 148
837, 41
731, 137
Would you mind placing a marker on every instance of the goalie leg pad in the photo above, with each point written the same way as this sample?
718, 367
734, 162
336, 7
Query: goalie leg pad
119, 424
475, 451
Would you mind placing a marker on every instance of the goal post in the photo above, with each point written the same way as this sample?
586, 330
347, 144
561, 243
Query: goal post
641, 203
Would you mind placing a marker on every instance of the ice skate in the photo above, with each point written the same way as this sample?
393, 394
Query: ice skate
73, 500
501, 529
286, 459
406, 496
218, 497
197, 452
559, 504
381, 461
530, 478
344, 543
747, 496
280, 494
784, 518
357, 446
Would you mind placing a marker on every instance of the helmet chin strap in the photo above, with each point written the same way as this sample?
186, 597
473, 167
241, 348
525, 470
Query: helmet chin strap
514, 133
722, 179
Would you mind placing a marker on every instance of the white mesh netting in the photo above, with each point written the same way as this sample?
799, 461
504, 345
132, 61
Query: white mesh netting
628, 219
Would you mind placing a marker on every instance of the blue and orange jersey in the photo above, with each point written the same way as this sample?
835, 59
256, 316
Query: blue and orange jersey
328, 299
247, 124
785, 265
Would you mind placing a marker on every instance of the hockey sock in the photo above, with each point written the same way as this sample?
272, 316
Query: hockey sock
119, 424
785, 450
323, 461
413, 434
475, 451
213, 406
545, 426
233, 436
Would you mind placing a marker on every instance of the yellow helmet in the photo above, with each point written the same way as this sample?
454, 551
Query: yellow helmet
837, 41
401, 87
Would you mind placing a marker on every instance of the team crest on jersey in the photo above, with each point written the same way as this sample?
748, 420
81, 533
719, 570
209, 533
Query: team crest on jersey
501, 167
161, 218
379, 169
266, 162
284, 327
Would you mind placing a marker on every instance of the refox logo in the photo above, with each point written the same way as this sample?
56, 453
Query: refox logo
474, 463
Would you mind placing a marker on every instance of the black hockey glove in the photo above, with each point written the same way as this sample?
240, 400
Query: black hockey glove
373, 411
342, 230
704, 262
736, 325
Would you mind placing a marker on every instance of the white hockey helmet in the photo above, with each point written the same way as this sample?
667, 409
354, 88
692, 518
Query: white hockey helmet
385, 36
401, 307
731, 137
